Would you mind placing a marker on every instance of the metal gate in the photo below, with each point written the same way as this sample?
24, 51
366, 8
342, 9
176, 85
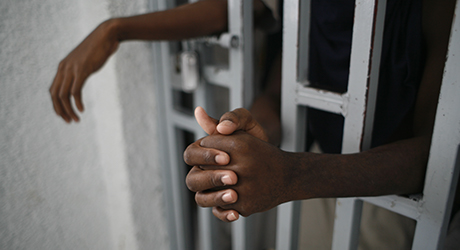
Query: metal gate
234, 77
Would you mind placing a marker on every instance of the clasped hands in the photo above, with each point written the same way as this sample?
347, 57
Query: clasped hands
235, 170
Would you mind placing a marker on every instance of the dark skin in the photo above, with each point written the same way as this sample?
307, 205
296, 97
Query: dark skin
283, 176
191, 20
265, 176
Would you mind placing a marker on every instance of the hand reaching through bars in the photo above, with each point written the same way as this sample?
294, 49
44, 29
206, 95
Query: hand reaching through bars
236, 155
198, 19
76, 67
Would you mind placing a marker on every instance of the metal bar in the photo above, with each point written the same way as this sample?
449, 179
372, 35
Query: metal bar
206, 228
303, 40
240, 22
293, 116
288, 223
362, 87
184, 121
369, 18
182, 220
217, 75
397, 204
347, 223
321, 99
443, 164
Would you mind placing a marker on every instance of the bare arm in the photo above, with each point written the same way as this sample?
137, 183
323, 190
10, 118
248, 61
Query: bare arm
201, 18
396, 168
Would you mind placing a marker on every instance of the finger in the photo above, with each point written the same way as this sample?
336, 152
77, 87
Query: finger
207, 123
240, 119
199, 180
76, 91
64, 97
216, 198
195, 155
225, 215
54, 92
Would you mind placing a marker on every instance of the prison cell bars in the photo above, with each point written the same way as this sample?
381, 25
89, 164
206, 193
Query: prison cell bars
238, 79
357, 106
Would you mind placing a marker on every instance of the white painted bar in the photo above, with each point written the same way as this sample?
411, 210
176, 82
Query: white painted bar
347, 223
362, 57
444, 160
364, 69
184, 121
293, 118
240, 23
217, 76
322, 99
397, 204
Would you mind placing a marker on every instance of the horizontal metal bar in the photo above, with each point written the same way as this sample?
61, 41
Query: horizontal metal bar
321, 99
184, 121
225, 40
217, 75
400, 205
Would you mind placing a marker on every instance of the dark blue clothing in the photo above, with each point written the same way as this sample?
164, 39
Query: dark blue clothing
400, 69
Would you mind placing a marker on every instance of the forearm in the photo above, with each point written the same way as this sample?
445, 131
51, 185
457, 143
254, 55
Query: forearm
186, 21
266, 108
397, 168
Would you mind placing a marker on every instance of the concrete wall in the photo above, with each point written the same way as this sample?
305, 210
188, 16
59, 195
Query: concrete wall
91, 185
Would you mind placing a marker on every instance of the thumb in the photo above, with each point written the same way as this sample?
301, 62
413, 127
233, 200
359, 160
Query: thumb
240, 119
207, 123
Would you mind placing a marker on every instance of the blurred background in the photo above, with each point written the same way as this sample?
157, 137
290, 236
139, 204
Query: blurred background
96, 184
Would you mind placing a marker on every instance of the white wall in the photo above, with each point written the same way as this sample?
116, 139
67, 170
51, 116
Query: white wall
91, 185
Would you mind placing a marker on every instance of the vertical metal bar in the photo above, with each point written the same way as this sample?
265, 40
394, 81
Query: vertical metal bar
241, 92
167, 185
177, 217
362, 89
175, 241
443, 164
180, 210
303, 40
292, 116
206, 228
369, 19
347, 223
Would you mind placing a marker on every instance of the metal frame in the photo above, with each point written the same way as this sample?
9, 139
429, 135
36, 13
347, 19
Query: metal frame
237, 77
357, 107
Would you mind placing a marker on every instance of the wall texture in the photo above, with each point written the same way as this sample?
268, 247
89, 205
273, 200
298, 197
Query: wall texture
91, 185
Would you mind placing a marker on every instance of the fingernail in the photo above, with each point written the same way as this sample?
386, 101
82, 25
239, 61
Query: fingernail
221, 159
226, 180
231, 217
226, 123
227, 197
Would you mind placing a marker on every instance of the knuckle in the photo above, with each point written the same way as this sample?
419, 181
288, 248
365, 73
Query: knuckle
75, 92
217, 200
187, 156
190, 182
200, 199
62, 95
208, 157
232, 145
61, 65
197, 199
216, 181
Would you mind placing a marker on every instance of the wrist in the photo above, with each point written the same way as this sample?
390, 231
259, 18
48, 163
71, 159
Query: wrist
112, 29
304, 176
